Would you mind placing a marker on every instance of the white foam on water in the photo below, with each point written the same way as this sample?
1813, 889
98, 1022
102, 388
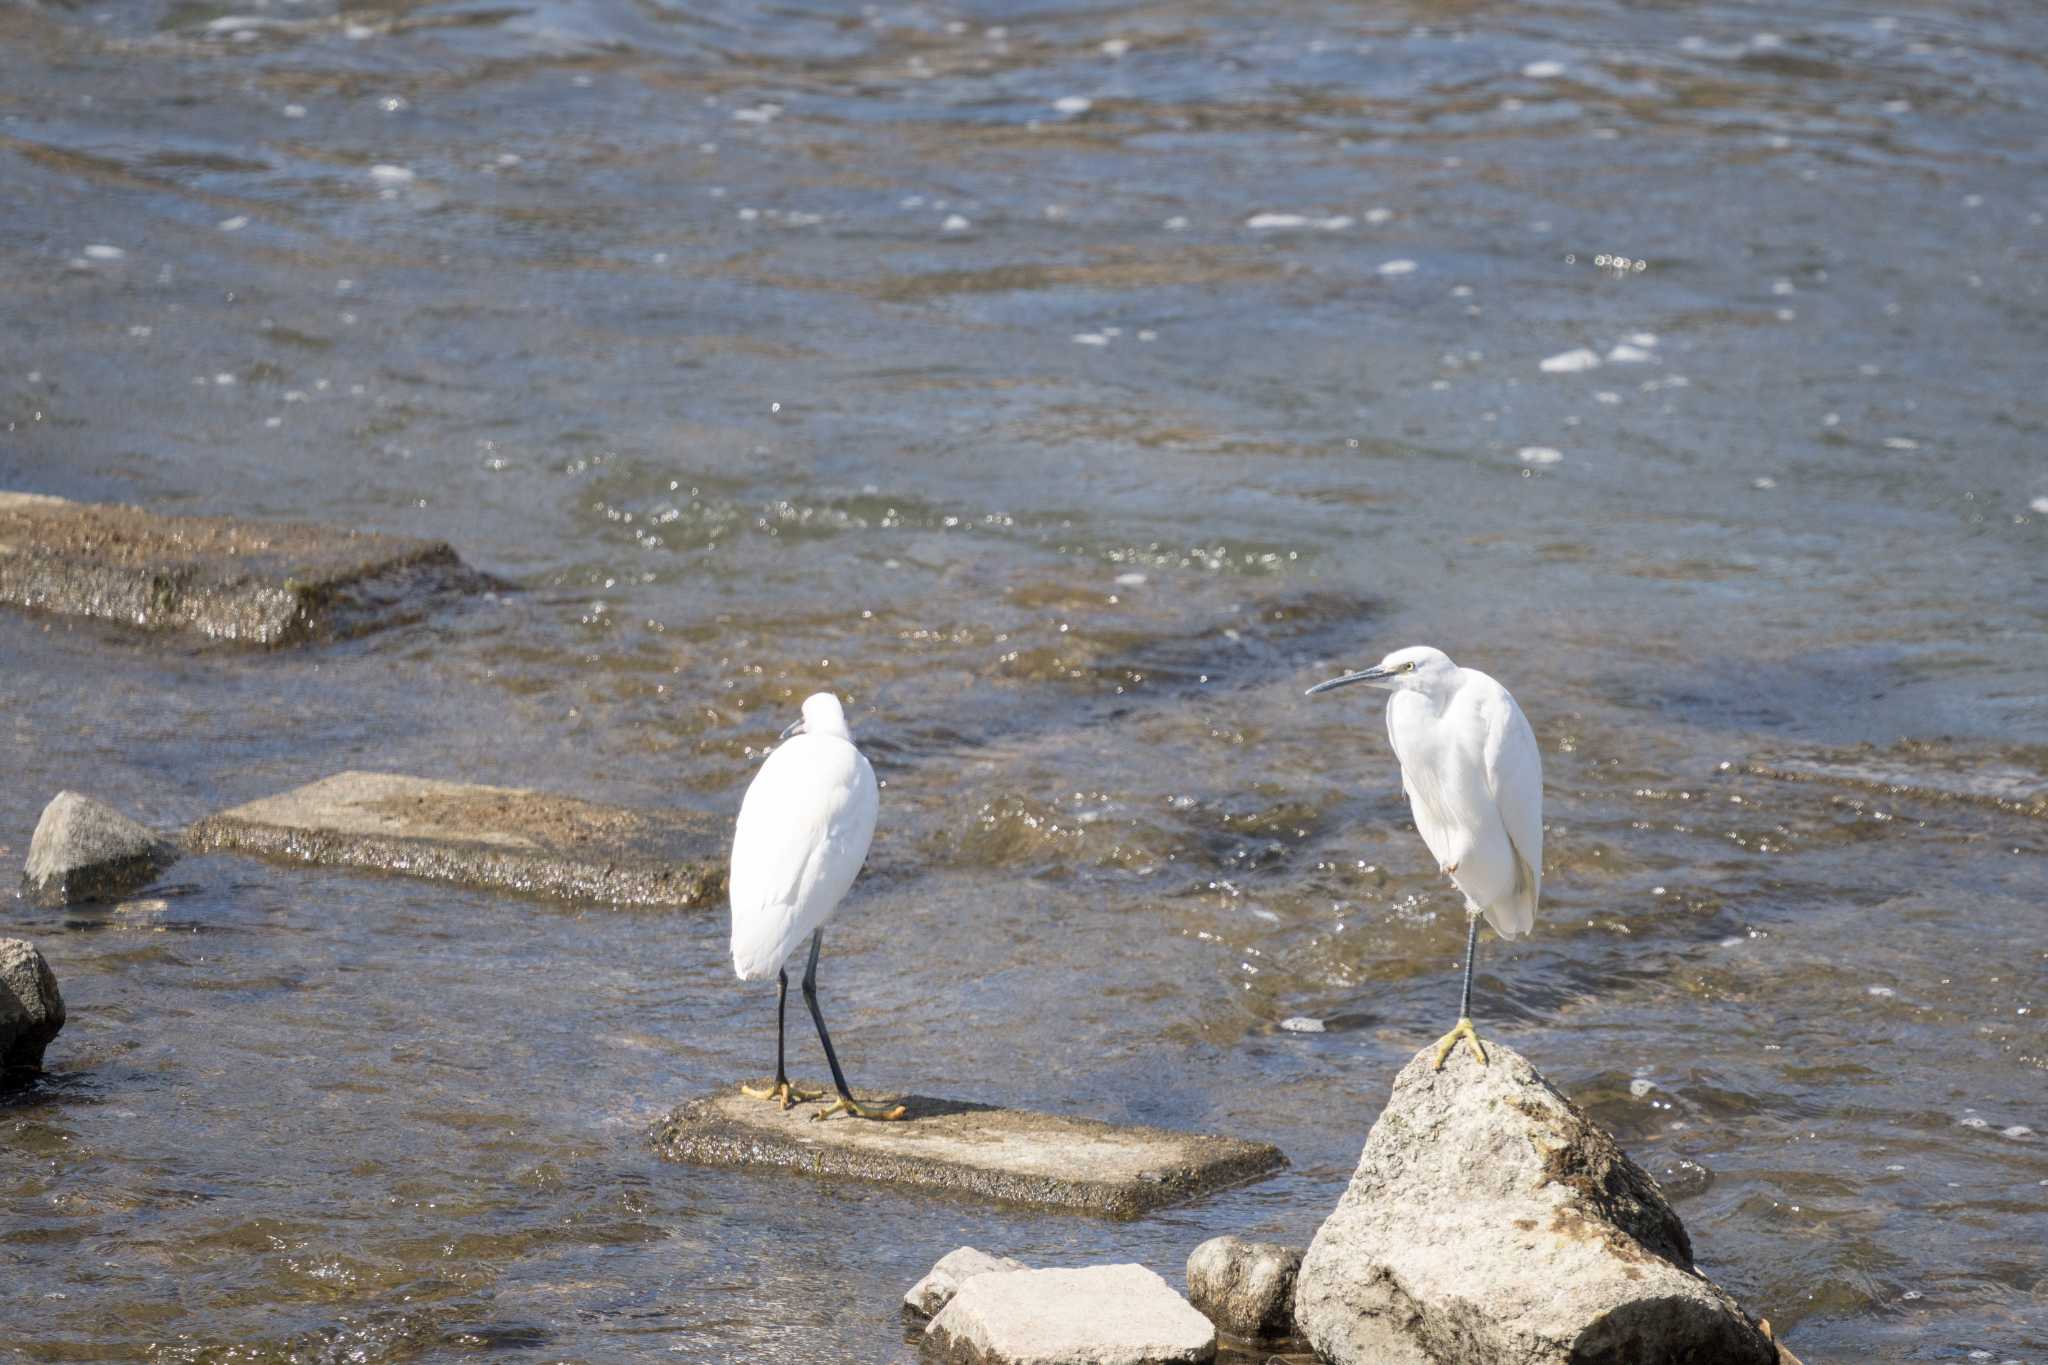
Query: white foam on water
1439, 385
955, 223
234, 224
1881, 991
1570, 362
1130, 580
386, 174
100, 251
1901, 443
1539, 455
1261, 221
1765, 482
1175, 224
1784, 287
1301, 1023
1461, 291
1073, 104
1113, 48
294, 111
224, 379
1641, 338
1400, 267
764, 112
1090, 339
143, 330
1640, 1087
1147, 334
1376, 216
1543, 71
1607, 396
2038, 504
1625, 354
2017, 1132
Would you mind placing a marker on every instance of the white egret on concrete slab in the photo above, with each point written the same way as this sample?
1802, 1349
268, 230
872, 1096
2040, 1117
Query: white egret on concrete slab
1474, 781
802, 836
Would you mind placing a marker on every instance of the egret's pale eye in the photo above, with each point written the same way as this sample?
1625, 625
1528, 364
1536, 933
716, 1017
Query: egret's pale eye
1409, 666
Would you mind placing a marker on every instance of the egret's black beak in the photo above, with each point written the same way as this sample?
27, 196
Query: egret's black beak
795, 729
1363, 675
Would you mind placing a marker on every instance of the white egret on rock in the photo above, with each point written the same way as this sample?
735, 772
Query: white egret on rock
802, 836
1474, 781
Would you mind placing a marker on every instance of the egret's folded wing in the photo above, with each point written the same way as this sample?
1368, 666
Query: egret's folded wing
803, 833
1514, 774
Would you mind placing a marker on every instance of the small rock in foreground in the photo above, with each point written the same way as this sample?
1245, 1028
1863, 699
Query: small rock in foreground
85, 850
954, 1269
1100, 1315
1490, 1221
31, 1010
1245, 1288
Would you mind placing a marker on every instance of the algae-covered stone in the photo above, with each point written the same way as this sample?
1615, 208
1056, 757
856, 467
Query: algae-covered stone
953, 1269
1490, 1221
31, 1009
1245, 1288
1010, 1155
85, 850
256, 582
1099, 1315
508, 838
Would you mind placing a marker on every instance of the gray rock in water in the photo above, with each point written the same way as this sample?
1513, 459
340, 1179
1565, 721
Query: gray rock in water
1245, 1288
31, 1010
1490, 1221
954, 1269
1101, 1315
85, 850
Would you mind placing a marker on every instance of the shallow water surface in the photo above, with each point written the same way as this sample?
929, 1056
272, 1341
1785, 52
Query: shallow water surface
1068, 385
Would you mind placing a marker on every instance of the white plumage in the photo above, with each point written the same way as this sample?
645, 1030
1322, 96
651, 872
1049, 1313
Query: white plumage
803, 833
1474, 780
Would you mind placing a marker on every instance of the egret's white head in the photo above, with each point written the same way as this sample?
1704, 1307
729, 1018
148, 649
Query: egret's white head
822, 716
1417, 668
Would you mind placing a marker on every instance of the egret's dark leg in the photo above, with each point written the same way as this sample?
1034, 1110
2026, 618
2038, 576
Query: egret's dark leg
846, 1103
782, 1090
1464, 1029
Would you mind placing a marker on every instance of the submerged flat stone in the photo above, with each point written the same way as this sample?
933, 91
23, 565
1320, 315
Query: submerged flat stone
256, 582
1922, 771
507, 838
1010, 1155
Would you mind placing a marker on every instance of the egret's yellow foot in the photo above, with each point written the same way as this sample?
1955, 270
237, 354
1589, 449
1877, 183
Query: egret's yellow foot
846, 1106
790, 1096
1449, 1042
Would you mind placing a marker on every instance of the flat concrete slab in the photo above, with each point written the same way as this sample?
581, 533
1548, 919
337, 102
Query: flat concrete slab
261, 583
507, 838
1010, 1155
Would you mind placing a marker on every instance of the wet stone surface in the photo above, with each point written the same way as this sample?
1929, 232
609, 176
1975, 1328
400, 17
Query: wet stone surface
85, 850
259, 583
507, 838
1010, 1155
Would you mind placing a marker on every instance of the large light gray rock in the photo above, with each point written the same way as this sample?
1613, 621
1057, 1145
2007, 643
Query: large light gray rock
1490, 1222
85, 850
1245, 1288
31, 1010
1101, 1315
954, 1269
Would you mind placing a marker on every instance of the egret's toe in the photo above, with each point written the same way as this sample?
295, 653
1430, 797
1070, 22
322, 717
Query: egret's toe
783, 1091
842, 1105
1449, 1042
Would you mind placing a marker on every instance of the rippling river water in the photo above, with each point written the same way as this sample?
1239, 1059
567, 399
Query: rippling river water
1068, 385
